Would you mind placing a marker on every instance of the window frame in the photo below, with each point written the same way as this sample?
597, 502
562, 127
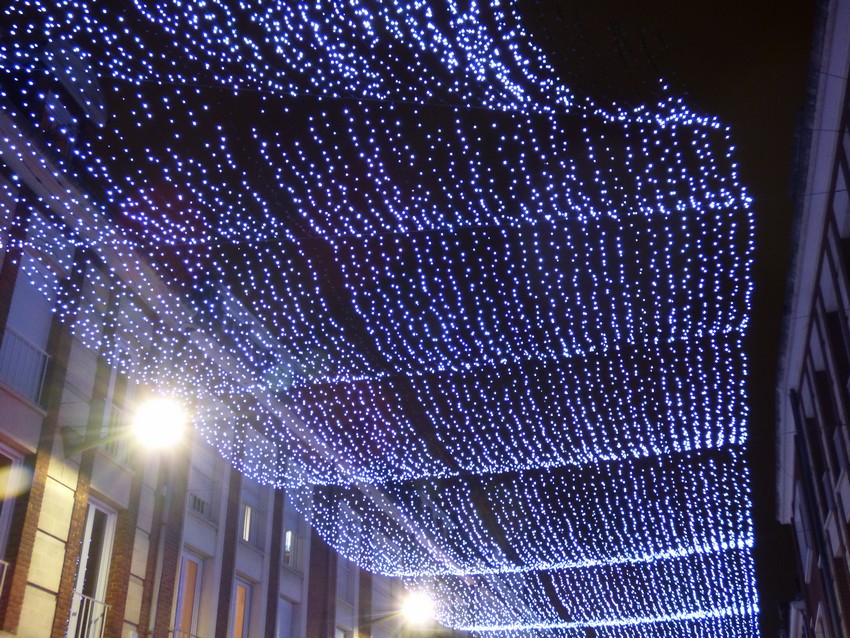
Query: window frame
240, 583
98, 595
197, 592
14, 484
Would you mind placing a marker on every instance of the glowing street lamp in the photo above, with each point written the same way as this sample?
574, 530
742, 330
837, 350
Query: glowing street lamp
159, 423
418, 608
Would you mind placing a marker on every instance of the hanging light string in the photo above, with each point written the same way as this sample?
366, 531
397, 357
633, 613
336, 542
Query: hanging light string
487, 331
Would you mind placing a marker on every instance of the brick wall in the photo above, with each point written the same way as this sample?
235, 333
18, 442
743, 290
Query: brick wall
171, 541
149, 587
273, 585
122, 558
72, 551
228, 555
321, 589
76, 531
27, 509
365, 611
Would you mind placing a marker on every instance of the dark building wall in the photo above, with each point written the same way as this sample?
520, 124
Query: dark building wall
813, 433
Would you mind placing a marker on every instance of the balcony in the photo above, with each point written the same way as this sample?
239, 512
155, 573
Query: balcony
88, 617
4, 567
23, 365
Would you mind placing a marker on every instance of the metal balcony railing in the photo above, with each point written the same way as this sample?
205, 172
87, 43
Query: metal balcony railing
4, 567
88, 617
23, 365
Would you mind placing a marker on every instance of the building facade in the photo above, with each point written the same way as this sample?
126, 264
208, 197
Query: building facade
99, 536
813, 488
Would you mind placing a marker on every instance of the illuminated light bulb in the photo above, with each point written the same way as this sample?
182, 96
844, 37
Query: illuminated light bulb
418, 608
159, 422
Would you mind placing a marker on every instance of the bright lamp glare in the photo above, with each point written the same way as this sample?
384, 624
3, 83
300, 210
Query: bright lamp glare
418, 608
159, 422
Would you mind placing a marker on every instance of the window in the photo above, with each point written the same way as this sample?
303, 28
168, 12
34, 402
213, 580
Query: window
285, 618
134, 331
51, 251
252, 498
13, 481
199, 506
291, 545
289, 548
23, 365
23, 360
841, 202
189, 596
250, 524
60, 126
203, 487
117, 392
241, 610
93, 307
346, 573
88, 609
820, 631
801, 529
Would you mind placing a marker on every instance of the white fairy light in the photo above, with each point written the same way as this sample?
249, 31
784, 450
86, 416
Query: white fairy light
430, 270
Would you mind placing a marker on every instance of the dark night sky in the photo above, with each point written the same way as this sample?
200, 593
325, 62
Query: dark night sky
745, 62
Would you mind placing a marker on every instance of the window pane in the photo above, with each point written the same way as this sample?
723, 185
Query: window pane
96, 554
10, 480
88, 611
241, 606
345, 580
284, 619
246, 523
188, 595
287, 547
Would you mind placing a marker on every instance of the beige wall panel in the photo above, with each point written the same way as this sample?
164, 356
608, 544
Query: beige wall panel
56, 508
134, 600
141, 546
37, 616
48, 556
111, 479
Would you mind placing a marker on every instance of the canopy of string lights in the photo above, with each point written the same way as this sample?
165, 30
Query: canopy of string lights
485, 329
